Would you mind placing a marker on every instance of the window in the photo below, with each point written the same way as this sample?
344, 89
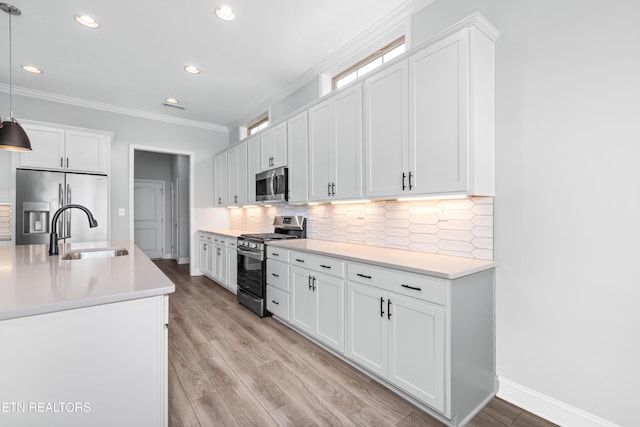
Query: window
369, 63
258, 126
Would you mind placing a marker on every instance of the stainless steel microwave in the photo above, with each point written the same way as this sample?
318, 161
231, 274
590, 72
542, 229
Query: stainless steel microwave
272, 185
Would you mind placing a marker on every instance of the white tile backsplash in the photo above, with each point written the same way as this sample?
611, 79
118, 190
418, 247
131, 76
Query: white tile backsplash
460, 227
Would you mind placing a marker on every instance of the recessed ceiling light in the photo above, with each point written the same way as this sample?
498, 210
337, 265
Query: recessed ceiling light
225, 13
171, 101
32, 69
192, 69
87, 21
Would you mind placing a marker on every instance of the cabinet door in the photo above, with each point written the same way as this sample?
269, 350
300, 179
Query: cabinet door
329, 310
438, 140
273, 147
297, 142
320, 139
48, 148
367, 327
416, 349
220, 260
220, 194
237, 175
253, 160
86, 151
346, 150
302, 299
206, 258
280, 145
386, 131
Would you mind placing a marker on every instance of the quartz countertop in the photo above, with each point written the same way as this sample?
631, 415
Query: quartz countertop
229, 232
445, 266
32, 282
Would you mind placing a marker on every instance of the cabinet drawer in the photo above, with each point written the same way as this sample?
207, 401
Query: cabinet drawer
206, 237
220, 240
232, 242
319, 263
278, 302
426, 288
280, 254
278, 274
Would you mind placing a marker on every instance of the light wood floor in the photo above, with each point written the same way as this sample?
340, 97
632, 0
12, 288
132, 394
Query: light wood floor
227, 367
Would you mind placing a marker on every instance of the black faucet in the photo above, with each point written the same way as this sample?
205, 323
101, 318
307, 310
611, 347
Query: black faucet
53, 237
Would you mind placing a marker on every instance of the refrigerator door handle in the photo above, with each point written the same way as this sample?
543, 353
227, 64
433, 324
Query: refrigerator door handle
61, 222
68, 213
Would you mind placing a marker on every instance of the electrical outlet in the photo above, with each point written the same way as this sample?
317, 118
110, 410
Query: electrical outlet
121, 211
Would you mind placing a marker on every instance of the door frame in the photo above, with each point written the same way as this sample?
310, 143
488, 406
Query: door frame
175, 216
192, 220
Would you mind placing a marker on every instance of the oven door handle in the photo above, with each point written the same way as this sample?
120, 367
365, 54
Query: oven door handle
249, 254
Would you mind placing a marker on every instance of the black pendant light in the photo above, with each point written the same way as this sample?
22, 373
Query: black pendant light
12, 136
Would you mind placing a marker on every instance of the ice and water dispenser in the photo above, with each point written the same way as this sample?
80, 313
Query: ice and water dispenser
36, 217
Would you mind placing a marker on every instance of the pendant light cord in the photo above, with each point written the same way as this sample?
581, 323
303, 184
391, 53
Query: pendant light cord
10, 73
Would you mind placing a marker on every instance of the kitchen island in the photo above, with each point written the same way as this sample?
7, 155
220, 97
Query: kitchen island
84, 341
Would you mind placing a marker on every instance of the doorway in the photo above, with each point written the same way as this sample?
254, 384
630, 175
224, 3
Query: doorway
175, 169
148, 218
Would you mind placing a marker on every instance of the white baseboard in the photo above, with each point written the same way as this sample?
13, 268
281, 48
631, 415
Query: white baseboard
548, 408
184, 260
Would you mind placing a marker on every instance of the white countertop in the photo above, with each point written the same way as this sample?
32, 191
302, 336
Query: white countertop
445, 266
32, 282
230, 232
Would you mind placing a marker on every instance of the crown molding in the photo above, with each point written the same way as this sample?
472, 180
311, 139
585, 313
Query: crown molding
350, 49
117, 109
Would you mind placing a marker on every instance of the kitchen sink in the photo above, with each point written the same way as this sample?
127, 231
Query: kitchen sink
94, 253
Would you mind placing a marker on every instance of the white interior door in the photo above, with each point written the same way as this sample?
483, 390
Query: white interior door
149, 217
174, 221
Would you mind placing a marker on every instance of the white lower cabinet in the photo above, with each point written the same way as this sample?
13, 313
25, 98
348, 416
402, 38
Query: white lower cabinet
218, 255
401, 339
430, 338
317, 306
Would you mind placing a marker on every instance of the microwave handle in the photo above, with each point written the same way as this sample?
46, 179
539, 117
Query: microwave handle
273, 184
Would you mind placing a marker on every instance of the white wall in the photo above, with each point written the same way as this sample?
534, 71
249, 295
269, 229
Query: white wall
129, 130
567, 205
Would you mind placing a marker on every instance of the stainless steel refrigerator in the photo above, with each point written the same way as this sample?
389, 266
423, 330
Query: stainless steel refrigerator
40, 193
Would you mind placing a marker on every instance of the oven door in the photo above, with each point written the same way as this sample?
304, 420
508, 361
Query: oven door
251, 272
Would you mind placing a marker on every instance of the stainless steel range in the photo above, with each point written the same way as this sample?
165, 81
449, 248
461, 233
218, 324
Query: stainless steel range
252, 260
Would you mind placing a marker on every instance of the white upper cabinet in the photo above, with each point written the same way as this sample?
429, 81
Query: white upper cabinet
220, 180
438, 120
335, 147
386, 130
237, 175
74, 150
298, 145
429, 119
273, 147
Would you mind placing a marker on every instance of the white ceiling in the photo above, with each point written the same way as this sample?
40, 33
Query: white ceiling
135, 59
